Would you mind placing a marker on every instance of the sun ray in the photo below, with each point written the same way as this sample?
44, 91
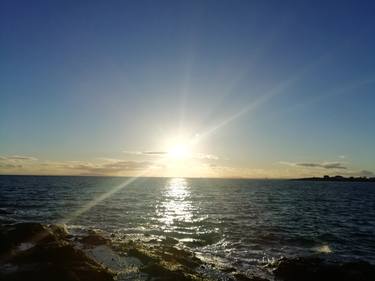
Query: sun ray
112, 191
262, 99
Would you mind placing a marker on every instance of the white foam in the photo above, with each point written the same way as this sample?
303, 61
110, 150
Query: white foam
25, 246
325, 249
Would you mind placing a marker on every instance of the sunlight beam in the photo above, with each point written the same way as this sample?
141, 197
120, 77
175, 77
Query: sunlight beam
262, 99
108, 194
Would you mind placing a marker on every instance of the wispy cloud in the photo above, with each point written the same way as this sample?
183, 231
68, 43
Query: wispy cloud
366, 173
205, 156
326, 165
9, 166
323, 165
9, 162
204, 165
17, 158
148, 152
19, 164
164, 153
161, 153
327, 168
106, 167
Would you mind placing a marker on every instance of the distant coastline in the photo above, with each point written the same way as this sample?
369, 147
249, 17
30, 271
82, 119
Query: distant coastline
338, 179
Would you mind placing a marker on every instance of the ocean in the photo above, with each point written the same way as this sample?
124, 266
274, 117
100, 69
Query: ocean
239, 223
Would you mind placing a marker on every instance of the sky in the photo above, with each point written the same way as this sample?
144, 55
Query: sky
248, 89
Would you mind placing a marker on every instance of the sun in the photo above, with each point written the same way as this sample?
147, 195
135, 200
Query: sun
179, 152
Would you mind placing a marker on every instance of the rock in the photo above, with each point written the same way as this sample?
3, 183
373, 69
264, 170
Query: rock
228, 269
13, 235
59, 230
159, 272
242, 277
32, 251
139, 254
94, 240
311, 269
164, 262
48, 272
169, 241
180, 256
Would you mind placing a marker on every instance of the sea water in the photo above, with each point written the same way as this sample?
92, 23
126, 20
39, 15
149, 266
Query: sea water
235, 222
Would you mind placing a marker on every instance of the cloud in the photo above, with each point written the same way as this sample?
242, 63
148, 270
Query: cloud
154, 153
108, 167
149, 152
19, 164
326, 168
323, 165
205, 156
10, 166
163, 153
17, 158
239, 172
366, 173
326, 165
13, 162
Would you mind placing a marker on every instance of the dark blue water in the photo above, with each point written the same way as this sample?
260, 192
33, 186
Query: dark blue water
236, 222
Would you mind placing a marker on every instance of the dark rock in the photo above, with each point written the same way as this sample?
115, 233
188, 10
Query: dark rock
153, 241
242, 277
13, 235
228, 269
165, 262
159, 272
94, 239
47, 255
143, 257
311, 269
169, 241
59, 230
180, 256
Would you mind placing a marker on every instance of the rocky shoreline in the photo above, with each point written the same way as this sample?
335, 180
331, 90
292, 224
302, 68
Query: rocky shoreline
34, 251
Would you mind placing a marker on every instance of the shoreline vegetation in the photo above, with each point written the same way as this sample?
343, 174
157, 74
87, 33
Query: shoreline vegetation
338, 179
34, 251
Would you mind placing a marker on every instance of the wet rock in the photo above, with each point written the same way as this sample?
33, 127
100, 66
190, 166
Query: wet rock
32, 251
94, 240
311, 269
161, 273
48, 272
228, 269
153, 241
139, 254
59, 230
242, 277
177, 256
13, 235
169, 241
164, 262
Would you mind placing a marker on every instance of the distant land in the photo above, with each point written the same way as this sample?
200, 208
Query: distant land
338, 178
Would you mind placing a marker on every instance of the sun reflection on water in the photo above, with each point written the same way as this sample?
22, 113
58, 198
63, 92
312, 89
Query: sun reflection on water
176, 206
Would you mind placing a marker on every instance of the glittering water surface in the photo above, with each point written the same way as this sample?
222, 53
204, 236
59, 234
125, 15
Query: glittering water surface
236, 222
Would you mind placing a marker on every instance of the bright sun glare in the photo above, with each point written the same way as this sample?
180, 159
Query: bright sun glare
179, 152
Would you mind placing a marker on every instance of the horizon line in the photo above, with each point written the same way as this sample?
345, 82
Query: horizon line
170, 177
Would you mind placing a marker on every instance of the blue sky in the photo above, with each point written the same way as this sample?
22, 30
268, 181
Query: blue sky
262, 88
